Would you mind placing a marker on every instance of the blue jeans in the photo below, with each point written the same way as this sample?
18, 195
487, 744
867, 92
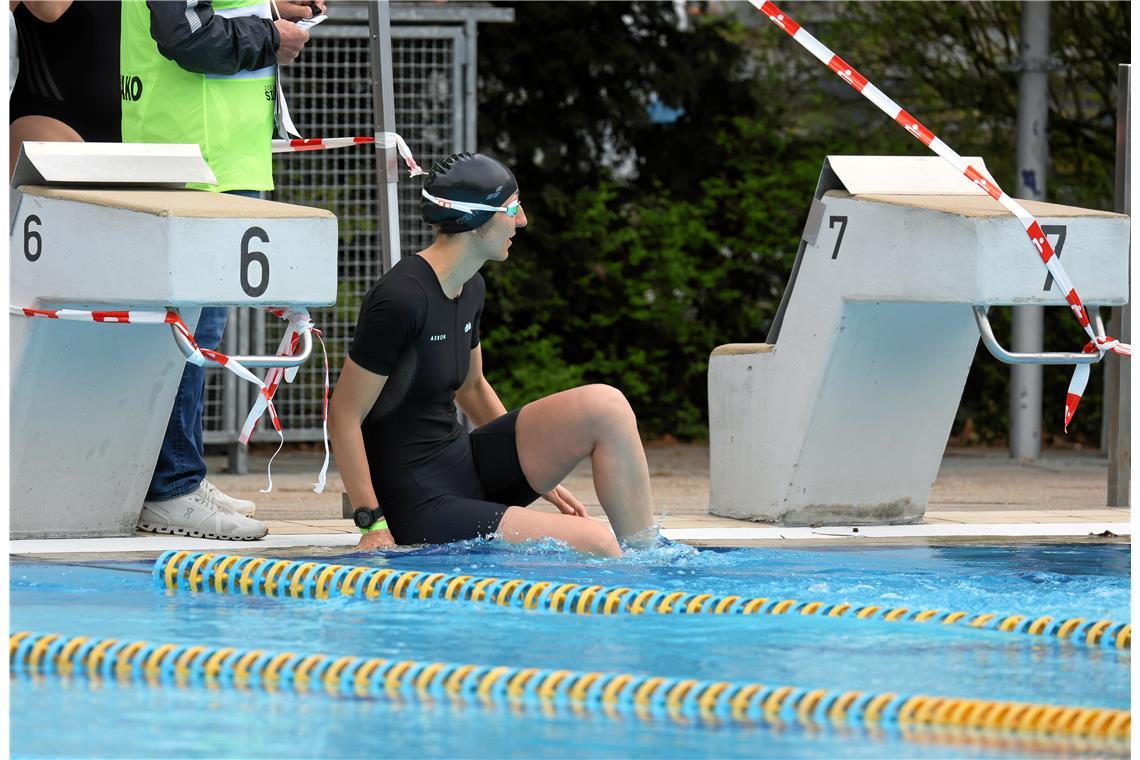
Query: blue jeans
181, 465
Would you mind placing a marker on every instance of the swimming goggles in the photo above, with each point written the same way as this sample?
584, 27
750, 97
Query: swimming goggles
511, 209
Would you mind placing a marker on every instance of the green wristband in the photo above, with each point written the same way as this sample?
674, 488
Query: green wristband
381, 524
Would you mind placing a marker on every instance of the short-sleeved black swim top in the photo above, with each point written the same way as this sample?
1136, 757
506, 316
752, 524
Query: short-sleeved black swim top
411, 332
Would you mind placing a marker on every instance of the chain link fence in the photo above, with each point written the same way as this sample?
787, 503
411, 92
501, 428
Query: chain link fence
330, 95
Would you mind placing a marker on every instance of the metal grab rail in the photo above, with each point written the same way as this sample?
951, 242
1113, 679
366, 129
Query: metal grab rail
1009, 357
272, 360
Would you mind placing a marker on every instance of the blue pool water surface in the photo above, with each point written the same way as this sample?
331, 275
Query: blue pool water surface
120, 600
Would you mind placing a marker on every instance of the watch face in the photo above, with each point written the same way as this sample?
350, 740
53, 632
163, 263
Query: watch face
362, 518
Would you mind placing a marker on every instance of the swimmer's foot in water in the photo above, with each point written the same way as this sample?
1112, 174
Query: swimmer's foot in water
646, 538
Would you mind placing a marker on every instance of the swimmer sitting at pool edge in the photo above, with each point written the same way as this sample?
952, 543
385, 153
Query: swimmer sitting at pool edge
414, 474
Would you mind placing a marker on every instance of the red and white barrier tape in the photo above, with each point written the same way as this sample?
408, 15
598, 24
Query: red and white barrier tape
1036, 236
380, 140
299, 323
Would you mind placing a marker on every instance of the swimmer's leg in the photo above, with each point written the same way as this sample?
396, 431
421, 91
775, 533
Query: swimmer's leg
555, 433
520, 524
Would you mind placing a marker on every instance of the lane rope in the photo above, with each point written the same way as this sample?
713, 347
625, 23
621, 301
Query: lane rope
616, 695
199, 572
1041, 246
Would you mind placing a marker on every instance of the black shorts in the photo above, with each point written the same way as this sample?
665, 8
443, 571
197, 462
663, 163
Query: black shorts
462, 492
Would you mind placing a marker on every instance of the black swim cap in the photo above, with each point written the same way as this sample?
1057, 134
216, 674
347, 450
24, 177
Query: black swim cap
471, 178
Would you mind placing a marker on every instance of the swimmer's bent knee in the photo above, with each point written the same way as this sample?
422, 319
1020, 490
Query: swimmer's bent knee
609, 403
602, 542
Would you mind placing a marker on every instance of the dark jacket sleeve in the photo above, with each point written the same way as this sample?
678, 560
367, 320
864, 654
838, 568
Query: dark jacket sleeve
198, 40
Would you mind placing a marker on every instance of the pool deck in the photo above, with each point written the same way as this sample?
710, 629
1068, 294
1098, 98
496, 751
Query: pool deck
979, 495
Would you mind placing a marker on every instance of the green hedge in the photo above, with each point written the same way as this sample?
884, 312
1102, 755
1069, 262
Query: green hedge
650, 244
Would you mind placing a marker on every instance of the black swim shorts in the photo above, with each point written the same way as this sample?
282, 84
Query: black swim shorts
461, 492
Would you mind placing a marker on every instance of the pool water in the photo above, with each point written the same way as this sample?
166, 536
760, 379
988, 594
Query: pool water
120, 600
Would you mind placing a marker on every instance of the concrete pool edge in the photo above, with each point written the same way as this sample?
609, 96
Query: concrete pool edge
296, 535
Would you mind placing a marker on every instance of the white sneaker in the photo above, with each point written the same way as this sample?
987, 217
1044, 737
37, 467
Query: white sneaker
241, 506
196, 514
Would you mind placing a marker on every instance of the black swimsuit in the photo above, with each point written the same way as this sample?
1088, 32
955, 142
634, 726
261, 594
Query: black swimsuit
69, 69
436, 483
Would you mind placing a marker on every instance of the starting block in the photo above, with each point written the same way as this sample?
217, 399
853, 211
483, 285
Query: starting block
107, 227
842, 416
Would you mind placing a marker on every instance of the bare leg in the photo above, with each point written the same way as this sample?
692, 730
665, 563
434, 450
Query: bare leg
36, 129
520, 524
557, 432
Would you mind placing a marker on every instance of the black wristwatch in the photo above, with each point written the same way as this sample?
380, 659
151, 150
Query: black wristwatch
366, 517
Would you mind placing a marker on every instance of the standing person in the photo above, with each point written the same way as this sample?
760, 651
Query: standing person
412, 472
205, 72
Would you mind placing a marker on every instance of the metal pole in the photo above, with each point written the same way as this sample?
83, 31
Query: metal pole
1032, 160
229, 400
1118, 377
239, 455
384, 108
470, 101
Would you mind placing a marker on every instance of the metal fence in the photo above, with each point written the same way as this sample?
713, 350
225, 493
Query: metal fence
330, 94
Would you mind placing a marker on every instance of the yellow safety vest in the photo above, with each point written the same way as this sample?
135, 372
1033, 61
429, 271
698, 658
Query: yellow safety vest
229, 116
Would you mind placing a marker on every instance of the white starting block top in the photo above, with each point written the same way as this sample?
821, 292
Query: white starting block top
843, 415
963, 249
980, 207
180, 248
189, 204
911, 229
107, 164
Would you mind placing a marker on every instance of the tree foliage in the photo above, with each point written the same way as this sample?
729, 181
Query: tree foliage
651, 243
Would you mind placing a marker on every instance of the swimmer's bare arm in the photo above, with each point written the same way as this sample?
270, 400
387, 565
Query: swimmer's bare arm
481, 404
356, 393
